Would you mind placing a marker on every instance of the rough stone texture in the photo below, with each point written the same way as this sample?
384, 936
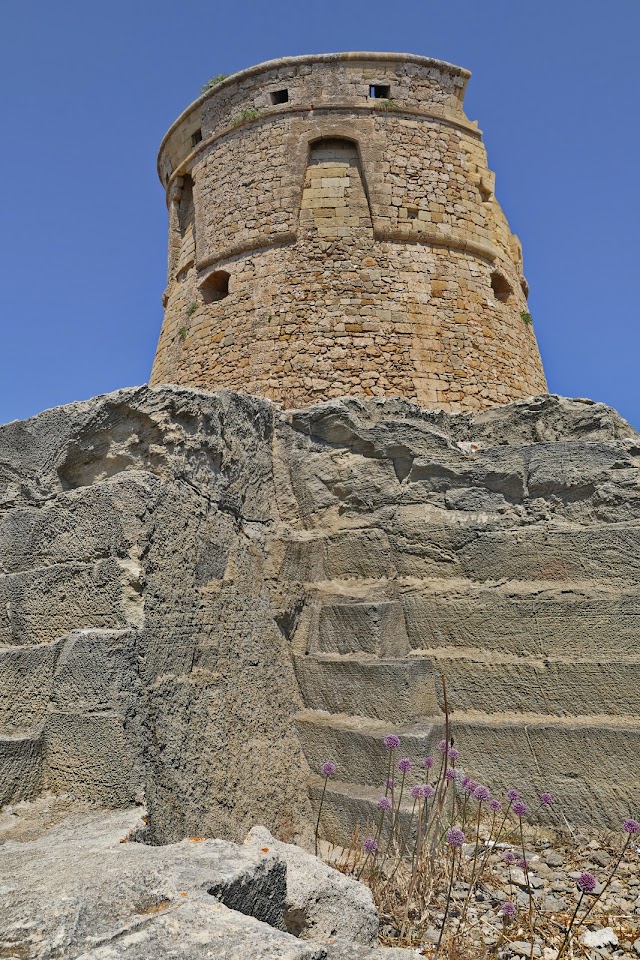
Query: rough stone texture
599, 938
202, 594
338, 243
74, 891
141, 647
321, 903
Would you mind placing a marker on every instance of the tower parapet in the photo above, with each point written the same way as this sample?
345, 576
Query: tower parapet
333, 230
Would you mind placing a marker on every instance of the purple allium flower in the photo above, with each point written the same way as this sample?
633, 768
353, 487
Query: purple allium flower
416, 792
469, 786
587, 882
428, 762
405, 765
520, 808
384, 803
509, 858
454, 754
451, 774
370, 845
391, 742
513, 795
546, 799
481, 793
427, 791
328, 768
508, 909
390, 783
495, 805
455, 837
631, 825
442, 746
522, 863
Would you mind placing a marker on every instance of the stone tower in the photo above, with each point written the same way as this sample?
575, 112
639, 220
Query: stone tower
333, 230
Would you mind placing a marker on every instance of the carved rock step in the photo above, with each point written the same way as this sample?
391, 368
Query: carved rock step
520, 619
356, 744
581, 759
491, 682
394, 690
375, 627
69, 718
347, 805
21, 762
532, 752
433, 544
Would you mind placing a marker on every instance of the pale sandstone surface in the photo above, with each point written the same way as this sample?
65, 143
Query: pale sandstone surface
326, 242
204, 596
320, 902
72, 890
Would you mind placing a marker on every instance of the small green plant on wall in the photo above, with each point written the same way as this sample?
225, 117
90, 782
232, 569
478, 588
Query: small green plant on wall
219, 77
191, 309
182, 333
388, 104
244, 116
526, 317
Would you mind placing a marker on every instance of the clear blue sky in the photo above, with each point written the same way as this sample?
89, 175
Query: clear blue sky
88, 90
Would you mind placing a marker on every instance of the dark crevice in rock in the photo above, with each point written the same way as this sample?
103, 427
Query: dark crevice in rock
262, 897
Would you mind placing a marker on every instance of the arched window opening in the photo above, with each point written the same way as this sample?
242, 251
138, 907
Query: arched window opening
334, 198
185, 205
215, 286
501, 288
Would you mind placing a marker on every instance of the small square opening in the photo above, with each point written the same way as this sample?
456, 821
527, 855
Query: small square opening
196, 137
380, 91
280, 96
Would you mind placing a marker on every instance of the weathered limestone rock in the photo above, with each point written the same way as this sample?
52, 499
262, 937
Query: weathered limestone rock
203, 596
76, 891
320, 902
135, 610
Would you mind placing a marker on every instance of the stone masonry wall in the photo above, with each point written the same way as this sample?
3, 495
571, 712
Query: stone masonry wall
338, 243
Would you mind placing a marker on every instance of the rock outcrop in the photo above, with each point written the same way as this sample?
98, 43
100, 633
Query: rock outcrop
83, 889
321, 903
204, 596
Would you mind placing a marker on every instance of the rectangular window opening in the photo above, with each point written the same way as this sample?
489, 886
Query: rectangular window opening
380, 91
280, 96
196, 137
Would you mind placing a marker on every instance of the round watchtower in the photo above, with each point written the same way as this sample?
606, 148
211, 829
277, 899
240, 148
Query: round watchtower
333, 230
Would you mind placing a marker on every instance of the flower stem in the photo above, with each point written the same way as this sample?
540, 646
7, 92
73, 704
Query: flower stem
526, 873
324, 787
608, 880
396, 813
446, 909
474, 870
569, 928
